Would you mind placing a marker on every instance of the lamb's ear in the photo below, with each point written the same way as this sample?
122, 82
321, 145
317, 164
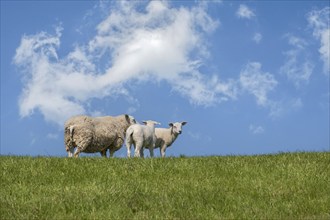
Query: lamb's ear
184, 122
144, 122
170, 124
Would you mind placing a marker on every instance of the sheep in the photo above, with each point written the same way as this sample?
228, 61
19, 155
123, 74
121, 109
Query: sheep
141, 136
95, 134
166, 136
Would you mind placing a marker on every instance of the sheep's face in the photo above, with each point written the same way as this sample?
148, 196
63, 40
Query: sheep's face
151, 123
177, 127
132, 120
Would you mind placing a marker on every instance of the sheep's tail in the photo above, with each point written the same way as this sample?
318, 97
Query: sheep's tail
70, 130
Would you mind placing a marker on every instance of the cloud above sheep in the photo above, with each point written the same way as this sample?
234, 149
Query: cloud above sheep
158, 43
139, 42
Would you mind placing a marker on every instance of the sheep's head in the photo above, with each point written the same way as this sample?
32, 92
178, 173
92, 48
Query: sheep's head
177, 127
130, 119
151, 123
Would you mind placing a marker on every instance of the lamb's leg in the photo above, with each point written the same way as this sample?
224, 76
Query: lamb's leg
151, 150
162, 150
138, 149
128, 147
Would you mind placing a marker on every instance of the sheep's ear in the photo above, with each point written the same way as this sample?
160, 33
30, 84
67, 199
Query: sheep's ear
144, 122
184, 122
127, 117
170, 124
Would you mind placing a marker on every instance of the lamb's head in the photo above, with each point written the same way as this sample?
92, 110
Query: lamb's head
177, 127
151, 123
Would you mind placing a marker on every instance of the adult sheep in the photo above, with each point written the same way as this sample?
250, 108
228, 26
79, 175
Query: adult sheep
166, 136
142, 136
95, 134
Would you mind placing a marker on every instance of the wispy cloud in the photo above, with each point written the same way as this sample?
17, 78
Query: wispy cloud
257, 37
256, 129
141, 42
319, 20
258, 83
194, 135
244, 12
285, 106
297, 66
52, 136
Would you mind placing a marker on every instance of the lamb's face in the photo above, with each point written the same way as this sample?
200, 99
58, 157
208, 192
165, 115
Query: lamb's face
151, 123
177, 127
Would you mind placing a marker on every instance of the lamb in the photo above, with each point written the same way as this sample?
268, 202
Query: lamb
166, 136
141, 136
95, 134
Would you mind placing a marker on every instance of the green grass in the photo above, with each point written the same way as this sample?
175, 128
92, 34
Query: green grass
282, 186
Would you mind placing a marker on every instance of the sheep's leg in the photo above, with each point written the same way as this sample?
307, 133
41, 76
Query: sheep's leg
104, 153
76, 154
83, 145
162, 150
142, 152
112, 151
70, 151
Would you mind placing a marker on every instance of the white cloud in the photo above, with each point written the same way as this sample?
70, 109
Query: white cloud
258, 83
244, 12
257, 37
285, 106
52, 136
256, 129
155, 44
297, 67
205, 91
296, 41
319, 20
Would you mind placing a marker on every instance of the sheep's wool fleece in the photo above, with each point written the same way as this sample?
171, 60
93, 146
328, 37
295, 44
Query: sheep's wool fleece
96, 134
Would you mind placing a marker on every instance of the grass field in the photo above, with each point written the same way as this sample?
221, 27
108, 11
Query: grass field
281, 186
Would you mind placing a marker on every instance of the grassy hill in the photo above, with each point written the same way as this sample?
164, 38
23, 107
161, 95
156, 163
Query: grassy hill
285, 186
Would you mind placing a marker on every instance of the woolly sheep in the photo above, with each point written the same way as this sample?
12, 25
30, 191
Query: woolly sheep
166, 136
141, 136
95, 134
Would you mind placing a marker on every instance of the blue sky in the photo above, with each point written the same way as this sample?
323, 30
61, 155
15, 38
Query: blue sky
249, 77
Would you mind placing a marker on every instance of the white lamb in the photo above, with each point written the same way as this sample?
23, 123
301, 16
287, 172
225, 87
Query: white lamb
166, 136
142, 136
